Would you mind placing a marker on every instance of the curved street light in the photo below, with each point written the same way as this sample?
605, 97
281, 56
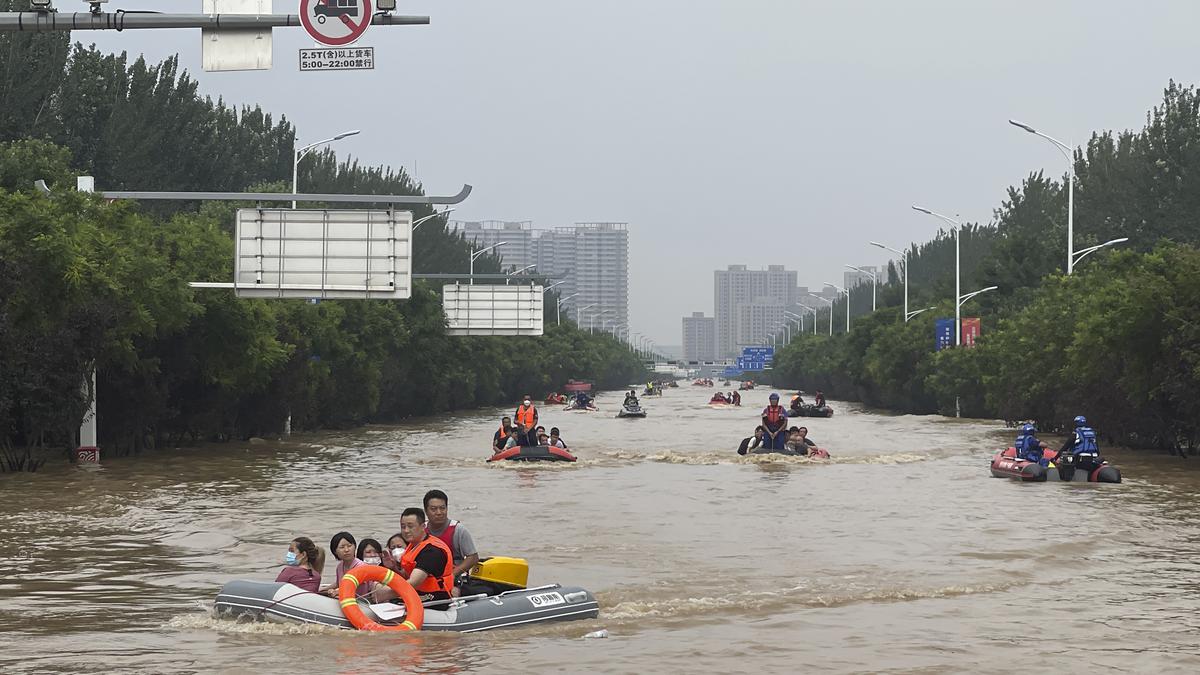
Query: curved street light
1080, 255
1066, 152
558, 307
824, 299
904, 266
909, 315
957, 227
299, 154
480, 252
839, 289
418, 221
874, 282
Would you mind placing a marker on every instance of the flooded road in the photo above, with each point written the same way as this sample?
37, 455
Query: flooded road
899, 554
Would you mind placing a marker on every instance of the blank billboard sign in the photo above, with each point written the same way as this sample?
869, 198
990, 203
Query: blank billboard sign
488, 309
285, 253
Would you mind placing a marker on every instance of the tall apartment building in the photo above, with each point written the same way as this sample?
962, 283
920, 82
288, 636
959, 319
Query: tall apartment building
518, 249
593, 260
699, 337
764, 294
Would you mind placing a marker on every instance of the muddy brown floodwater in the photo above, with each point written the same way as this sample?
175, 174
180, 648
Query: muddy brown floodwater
902, 553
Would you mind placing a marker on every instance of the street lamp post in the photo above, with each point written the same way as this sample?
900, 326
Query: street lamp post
814, 313
480, 252
308, 148
579, 311
823, 299
904, 266
1066, 152
909, 315
839, 289
874, 283
957, 227
558, 307
1080, 255
516, 272
418, 221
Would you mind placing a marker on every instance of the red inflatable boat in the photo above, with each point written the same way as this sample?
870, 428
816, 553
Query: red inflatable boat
1005, 464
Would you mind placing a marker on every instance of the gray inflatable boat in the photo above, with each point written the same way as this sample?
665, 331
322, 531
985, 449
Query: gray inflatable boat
273, 601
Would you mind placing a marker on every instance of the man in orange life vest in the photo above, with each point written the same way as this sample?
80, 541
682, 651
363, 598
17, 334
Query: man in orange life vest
774, 420
527, 415
452, 533
426, 561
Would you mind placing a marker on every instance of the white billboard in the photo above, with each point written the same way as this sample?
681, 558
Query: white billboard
286, 253
488, 309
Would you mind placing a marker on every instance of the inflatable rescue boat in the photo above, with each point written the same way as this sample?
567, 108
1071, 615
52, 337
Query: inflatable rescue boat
502, 602
1005, 464
810, 410
534, 453
815, 453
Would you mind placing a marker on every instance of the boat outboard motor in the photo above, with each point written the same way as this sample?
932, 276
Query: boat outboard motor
496, 575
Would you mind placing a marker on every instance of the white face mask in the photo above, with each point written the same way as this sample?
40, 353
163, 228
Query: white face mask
526, 401
397, 553
372, 560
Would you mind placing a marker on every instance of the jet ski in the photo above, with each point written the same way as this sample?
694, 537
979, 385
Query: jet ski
494, 596
533, 453
632, 410
575, 405
1006, 464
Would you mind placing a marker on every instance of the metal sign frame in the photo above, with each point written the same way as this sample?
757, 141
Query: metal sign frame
285, 253
493, 309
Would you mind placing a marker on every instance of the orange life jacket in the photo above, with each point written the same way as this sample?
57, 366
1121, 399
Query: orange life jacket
432, 584
775, 416
526, 416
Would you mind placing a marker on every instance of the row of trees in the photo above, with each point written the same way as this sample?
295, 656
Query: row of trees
1118, 340
84, 283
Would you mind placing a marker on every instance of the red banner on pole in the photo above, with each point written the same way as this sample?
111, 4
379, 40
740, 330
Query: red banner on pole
970, 331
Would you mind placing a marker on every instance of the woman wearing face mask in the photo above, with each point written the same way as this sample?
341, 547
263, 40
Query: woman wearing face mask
304, 564
393, 552
371, 553
344, 547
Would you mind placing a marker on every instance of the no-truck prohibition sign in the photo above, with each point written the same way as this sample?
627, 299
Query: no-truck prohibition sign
335, 22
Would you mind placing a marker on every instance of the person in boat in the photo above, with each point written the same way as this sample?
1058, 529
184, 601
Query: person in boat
344, 548
752, 442
304, 562
527, 414
774, 422
582, 400
797, 400
631, 399
500, 438
718, 398
453, 534
370, 551
542, 437
820, 399
520, 437
1082, 445
556, 440
798, 440
735, 398
393, 552
1028, 446
426, 561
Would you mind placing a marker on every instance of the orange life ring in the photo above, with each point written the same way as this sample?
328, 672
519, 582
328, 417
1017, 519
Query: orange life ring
348, 589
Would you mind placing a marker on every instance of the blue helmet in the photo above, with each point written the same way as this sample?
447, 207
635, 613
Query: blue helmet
1028, 428
773, 397
1081, 421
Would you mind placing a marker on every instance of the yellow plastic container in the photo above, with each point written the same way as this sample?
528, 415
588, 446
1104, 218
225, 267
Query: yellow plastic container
510, 572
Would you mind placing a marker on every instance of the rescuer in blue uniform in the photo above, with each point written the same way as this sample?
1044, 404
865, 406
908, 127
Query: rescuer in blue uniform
1082, 447
1029, 447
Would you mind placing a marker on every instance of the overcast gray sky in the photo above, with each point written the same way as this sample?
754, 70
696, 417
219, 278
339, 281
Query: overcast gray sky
724, 131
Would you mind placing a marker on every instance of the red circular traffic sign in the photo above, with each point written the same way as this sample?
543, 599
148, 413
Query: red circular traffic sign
335, 22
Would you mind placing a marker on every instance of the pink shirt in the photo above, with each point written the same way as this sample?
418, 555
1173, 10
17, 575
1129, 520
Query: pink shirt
300, 577
363, 588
